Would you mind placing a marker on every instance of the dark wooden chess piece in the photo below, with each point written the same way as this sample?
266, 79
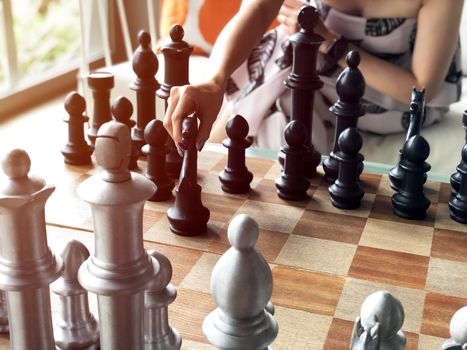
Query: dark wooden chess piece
76, 151
122, 109
176, 62
304, 81
100, 83
145, 66
292, 184
346, 192
350, 87
456, 177
188, 216
235, 177
458, 202
410, 202
417, 116
155, 136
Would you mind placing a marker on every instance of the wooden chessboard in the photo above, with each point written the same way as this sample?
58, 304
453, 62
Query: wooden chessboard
324, 261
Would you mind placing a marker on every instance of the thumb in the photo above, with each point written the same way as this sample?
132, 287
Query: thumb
204, 131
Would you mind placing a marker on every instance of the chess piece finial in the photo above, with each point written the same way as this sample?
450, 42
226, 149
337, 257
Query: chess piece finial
76, 327
458, 203
308, 18
241, 286
176, 33
145, 63
379, 325
458, 331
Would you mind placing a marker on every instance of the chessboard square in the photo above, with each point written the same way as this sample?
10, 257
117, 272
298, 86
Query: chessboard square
444, 192
447, 277
449, 245
191, 345
432, 189
315, 254
400, 269
269, 243
210, 184
370, 182
259, 167
221, 207
306, 290
437, 313
199, 278
150, 218
272, 217
429, 342
208, 160
330, 226
274, 171
356, 291
300, 330
444, 220
396, 236
322, 202
382, 209
339, 335
384, 188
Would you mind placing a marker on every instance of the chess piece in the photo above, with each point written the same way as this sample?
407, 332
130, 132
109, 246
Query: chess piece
100, 83
379, 325
410, 202
241, 286
176, 63
456, 177
145, 66
122, 109
292, 184
120, 268
160, 293
458, 331
304, 81
235, 177
76, 151
346, 192
27, 266
76, 327
417, 116
188, 216
350, 87
155, 136
458, 203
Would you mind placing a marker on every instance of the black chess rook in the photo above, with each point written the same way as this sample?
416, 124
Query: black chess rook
100, 83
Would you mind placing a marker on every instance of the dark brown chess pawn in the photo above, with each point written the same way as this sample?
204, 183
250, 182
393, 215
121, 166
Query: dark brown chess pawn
236, 178
346, 192
145, 66
456, 177
100, 83
188, 216
122, 109
155, 136
76, 151
176, 63
304, 81
292, 184
458, 202
350, 88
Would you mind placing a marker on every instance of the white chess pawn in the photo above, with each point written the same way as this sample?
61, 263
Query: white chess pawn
241, 285
458, 330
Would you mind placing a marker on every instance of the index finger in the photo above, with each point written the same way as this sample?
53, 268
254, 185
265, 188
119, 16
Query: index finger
185, 106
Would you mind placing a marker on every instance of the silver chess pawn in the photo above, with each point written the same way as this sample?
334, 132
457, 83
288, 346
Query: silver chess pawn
27, 266
379, 324
76, 328
241, 286
120, 268
458, 331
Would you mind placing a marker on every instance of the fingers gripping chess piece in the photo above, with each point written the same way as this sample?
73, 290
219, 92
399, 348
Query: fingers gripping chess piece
76, 327
241, 286
458, 203
120, 268
379, 324
236, 178
458, 331
26, 270
76, 151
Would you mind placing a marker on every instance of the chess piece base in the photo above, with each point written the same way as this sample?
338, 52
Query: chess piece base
311, 161
455, 183
292, 189
77, 155
345, 198
171, 341
237, 182
412, 209
458, 210
163, 190
331, 168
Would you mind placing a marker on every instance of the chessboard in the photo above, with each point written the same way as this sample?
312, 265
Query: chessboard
324, 261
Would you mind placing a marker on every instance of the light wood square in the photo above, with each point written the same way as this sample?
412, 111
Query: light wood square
192, 345
208, 159
356, 291
274, 172
384, 189
444, 220
199, 278
447, 277
429, 342
406, 238
317, 254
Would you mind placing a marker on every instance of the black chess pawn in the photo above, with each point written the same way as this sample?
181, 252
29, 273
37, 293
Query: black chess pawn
188, 216
100, 83
292, 184
350, 88
458, 202
236, 178
410, 202
155, 136
346, 192
122, 109
76, 151
456, 177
